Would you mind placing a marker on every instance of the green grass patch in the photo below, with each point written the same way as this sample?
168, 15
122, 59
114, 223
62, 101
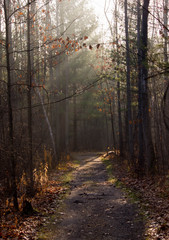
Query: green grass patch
132, 195
109, 168
66, 178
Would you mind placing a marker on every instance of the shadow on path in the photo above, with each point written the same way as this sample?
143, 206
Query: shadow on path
96, 209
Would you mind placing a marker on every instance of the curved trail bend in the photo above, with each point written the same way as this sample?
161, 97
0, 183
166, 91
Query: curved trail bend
95, 209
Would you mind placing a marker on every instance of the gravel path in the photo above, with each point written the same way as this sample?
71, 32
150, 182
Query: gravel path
95, 208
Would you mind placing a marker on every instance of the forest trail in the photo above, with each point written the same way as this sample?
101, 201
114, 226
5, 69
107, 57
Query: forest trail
95, 208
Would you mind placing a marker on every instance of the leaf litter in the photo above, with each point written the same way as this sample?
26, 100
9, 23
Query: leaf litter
15, 225
152, 195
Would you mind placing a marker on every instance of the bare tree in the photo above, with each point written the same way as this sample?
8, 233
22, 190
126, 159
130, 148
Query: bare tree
146, 127
140, 107
129, 113
29, 100
12, 155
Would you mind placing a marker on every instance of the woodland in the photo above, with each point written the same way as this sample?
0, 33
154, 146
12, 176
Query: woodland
68, 84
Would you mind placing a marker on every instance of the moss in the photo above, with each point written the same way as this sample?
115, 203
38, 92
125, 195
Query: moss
66, 178
133, 196
109, 169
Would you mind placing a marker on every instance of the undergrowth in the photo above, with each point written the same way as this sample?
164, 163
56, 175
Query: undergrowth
47, 203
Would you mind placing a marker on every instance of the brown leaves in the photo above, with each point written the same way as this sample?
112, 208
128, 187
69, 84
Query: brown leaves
45, 38
14, 225
65, 45
54, 46
9, 224
20, 13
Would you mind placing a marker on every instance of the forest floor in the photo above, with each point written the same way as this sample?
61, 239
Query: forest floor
93, 197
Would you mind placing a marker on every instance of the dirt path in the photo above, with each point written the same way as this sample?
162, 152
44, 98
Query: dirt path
96, 209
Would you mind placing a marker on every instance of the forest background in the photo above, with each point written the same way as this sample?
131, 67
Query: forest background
66, 85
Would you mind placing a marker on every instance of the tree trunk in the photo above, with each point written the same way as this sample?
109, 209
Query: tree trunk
164, 132
66, 105
119, 91
149, 148
10, 112
141, 159
57, 77
120, 120
111, 109
106, 120
166, 31
1, 87
129, 114
29, 99
74, 119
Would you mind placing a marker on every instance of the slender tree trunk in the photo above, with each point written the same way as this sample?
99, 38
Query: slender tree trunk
129, 114
10, 112
1, 118
48, 23
111, 109
112, 125
106, 120
120, 120
29, 99
149, 148
64, 89
74, 119
57, 77
141, 159
0, 45
62, 84
166, 31
164, 132
118, 90
66, 106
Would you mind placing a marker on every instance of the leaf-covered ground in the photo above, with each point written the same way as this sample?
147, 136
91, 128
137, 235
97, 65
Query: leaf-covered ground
151, 194
16, 225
